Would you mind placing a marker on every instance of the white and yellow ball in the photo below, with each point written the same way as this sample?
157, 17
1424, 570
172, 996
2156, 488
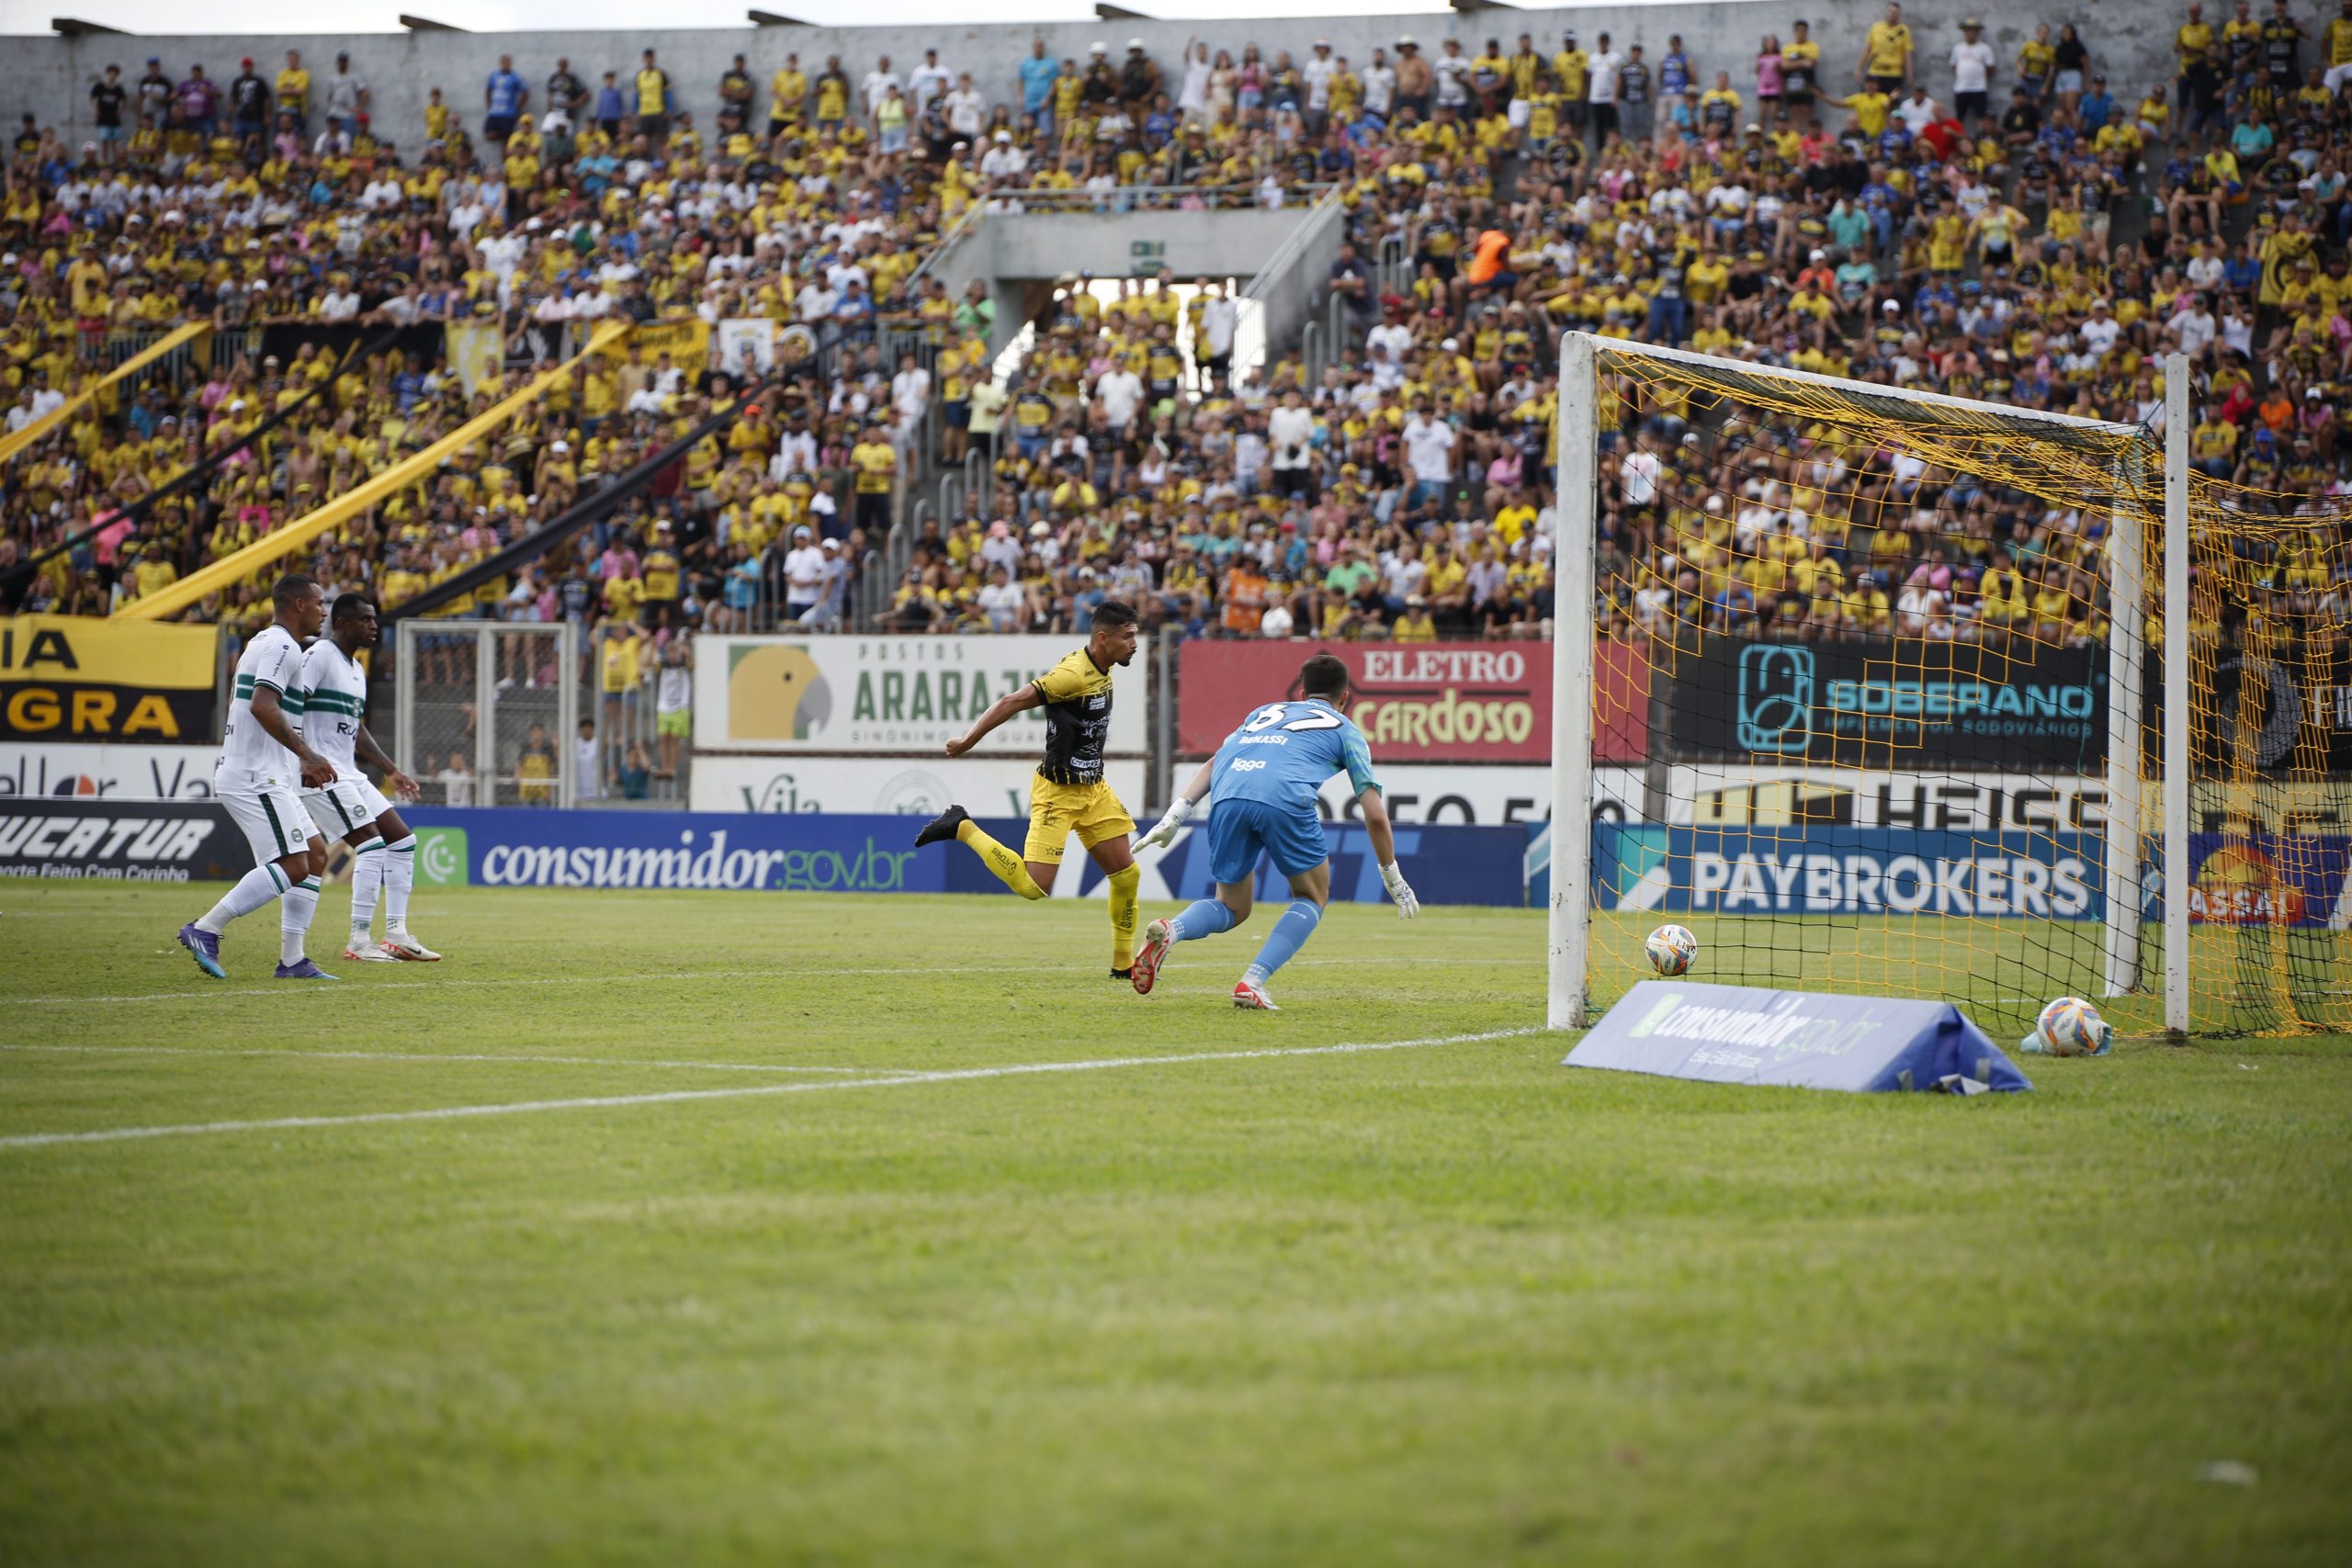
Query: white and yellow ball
1672, 949
2071, 1027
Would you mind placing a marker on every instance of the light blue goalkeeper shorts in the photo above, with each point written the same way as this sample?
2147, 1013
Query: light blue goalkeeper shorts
1239, 831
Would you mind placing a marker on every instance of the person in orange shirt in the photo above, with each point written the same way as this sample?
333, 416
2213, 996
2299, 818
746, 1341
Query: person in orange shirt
2277, 411
1491, 262
1245, 598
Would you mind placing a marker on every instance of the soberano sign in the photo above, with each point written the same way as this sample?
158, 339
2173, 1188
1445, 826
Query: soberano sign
1745, 1034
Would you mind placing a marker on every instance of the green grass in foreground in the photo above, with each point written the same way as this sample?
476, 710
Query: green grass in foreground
1444, 1305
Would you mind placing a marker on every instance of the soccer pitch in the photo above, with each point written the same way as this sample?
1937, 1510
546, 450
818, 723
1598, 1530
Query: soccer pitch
677, 1227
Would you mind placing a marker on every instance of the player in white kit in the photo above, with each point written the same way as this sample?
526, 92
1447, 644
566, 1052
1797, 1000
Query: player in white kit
264, 763
334, 706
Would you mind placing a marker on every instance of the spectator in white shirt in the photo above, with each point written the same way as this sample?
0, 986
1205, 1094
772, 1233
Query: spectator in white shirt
1290, 431
803, 573
1003, 161
1119, 394
929, 80
967, 109
878, 84
1429, 451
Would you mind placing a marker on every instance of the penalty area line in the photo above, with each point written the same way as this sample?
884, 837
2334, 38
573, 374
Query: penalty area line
882, 1079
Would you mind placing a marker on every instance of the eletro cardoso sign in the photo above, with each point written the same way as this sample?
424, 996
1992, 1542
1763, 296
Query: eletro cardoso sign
1893, 703
1420, 702
74, 678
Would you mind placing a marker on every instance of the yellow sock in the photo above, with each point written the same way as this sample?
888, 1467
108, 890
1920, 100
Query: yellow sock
1123, 915
1010, 868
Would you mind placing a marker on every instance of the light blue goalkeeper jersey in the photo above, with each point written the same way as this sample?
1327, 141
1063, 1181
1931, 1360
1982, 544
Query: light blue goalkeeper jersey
1284, 751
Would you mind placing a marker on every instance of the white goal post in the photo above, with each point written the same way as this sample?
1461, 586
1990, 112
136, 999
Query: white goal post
1583, 362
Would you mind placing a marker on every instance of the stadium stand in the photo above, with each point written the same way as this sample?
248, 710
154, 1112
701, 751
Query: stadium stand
2017, 229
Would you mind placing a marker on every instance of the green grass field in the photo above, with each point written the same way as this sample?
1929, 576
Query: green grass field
720, 1277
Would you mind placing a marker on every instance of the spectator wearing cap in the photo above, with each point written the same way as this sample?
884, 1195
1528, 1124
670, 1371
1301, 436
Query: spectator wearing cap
1416, 81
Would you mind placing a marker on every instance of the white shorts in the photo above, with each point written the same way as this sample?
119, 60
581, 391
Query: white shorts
271, 814
345, 806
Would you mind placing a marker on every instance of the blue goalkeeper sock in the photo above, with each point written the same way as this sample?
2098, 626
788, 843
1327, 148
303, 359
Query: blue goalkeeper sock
1290, 934
1207, 917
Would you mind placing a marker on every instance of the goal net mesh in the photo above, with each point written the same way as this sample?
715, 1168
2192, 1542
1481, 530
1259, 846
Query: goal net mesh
1868, 645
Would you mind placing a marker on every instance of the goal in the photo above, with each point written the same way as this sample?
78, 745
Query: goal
1869, 688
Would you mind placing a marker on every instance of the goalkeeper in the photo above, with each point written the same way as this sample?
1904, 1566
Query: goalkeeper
1266, 774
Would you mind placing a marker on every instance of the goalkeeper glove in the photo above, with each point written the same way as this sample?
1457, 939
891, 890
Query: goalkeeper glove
1163, 830
1407, 906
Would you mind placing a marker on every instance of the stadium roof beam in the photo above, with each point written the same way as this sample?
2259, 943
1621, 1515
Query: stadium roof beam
1120, 13
427, 25
770, 20
74, 26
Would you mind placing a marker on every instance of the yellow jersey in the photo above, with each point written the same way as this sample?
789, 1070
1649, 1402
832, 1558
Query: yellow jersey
1077, 719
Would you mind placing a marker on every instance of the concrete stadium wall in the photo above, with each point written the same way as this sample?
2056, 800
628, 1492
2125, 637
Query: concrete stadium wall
2131, 39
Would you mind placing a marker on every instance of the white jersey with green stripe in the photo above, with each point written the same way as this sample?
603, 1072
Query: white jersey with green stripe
334, 699
274, 660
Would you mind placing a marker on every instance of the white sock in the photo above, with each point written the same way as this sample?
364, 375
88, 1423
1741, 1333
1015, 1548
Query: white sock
294, 918
254, 889
400, 875
367, 882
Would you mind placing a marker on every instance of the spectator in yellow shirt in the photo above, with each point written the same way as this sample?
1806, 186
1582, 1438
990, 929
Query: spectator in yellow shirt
877, 464
1886, 55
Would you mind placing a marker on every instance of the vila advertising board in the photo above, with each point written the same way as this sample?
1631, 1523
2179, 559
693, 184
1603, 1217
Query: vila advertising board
76, 678
114, 773
1889, 703
106, 840
777, 694
1472, 702
990, 787
819, 852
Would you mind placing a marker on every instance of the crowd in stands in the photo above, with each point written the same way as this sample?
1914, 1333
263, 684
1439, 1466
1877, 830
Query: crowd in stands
2019, 230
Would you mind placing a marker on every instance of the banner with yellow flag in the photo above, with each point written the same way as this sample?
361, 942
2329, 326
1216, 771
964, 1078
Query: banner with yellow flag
686, 342
477, 352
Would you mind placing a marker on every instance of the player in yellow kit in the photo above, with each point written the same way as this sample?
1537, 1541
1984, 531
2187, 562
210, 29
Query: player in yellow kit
1068, 794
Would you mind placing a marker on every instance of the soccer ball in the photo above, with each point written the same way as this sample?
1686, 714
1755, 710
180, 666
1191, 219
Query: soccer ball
1672, 949
2071, 1027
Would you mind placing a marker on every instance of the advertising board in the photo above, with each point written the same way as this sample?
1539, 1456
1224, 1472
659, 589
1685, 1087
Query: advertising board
820, 853
1435, 793
990, 787
125, 772
1472, 702
77, 678
1748, 1035
1739, 795
104, 840
775, 694
1860, 871
1886, 703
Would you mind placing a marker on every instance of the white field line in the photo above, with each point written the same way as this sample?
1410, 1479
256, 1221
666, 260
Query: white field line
810, 972
430, 1056
675, 1096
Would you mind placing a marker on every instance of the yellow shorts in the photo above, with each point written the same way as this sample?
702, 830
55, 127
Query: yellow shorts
1056, 810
